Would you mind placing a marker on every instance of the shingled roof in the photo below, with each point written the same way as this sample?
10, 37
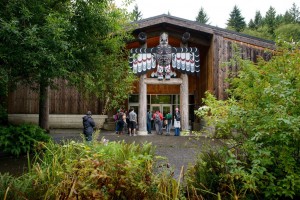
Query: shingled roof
194, 26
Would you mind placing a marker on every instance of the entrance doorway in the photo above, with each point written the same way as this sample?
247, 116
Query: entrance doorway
163, 108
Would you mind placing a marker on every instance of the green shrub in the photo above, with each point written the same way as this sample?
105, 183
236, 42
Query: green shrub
21, 139
97, 170
3, 115
204, 178
262, 117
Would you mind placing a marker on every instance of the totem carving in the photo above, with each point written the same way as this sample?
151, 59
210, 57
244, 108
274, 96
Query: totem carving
165, 58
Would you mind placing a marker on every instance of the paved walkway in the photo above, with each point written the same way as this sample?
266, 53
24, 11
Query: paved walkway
180, 151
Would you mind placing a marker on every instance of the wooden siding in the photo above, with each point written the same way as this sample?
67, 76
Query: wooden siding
222, 53
65, 100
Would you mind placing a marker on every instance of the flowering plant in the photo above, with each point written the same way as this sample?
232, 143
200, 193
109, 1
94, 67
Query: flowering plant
202, 111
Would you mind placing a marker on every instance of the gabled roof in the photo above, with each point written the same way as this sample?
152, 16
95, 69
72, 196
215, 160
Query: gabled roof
188, 25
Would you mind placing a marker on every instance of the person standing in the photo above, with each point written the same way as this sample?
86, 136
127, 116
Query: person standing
157, 117
132, 122
116, 116
88, 126
177, 119
120, 122
149, 118
168, 119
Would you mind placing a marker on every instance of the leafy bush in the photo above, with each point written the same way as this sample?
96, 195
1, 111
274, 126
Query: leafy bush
262, 117
3, 115
21, 139
113, 170
204, 178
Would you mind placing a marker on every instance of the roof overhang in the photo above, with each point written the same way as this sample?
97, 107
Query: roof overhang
200, 33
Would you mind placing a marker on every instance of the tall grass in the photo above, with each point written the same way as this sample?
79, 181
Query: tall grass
97, 170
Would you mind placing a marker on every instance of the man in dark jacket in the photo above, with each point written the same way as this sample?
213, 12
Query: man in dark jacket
88, 126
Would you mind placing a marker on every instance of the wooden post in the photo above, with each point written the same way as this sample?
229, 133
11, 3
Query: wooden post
142, 115
184, 99
184, 102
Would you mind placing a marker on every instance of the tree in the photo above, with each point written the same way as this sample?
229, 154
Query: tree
251, 25
258, 20
270, 20
287, 18
288, 32
73, 40
236, 21
202, 17
295, 13
262, 118
136, 14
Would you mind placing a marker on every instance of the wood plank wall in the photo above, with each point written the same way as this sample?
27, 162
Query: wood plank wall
65, 100
221, 53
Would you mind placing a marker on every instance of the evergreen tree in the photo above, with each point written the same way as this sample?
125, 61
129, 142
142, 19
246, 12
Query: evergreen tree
258, 20
270, 20
295, 13
288, 18
251, 25
202, 17
236, 21
136, 14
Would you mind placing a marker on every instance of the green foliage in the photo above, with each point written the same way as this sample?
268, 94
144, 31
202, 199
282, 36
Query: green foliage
261, 32
270, 20
81, 41
21, 139
98, 170
204, 178
289, 32
3, 115
202, 17
236, 21
136, 14
262, 119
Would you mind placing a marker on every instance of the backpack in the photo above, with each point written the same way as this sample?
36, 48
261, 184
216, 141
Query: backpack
157, 118
120, 117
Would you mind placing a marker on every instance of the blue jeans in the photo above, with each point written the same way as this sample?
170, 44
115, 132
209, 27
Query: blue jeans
177, 131
158, 127
149, 127
168, 126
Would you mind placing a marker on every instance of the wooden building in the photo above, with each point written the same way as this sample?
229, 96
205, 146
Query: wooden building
215, 48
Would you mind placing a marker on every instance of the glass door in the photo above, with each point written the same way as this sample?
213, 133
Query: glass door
155, 107
165, 109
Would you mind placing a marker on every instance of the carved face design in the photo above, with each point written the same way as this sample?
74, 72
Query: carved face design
163, 51
163, 39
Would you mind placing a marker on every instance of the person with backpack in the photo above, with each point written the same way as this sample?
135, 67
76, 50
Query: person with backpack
120, 122
168, 119
88, 126
177, 119
158, 118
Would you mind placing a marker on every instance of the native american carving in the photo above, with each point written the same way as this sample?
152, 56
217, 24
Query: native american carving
164, 58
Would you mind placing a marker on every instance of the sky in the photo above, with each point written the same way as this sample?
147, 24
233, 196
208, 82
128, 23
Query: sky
217, 11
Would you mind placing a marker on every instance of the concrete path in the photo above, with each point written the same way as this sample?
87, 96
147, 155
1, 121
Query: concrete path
179, 151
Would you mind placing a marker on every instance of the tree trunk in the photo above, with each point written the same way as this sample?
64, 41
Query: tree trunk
44, 107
